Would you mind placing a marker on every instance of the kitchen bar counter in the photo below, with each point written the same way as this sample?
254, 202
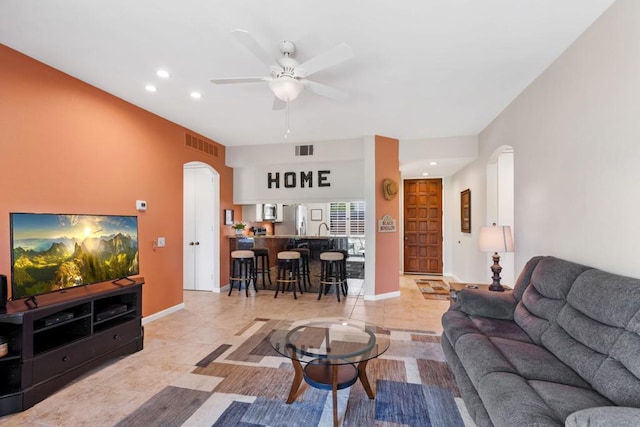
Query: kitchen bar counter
275, 244
279, 236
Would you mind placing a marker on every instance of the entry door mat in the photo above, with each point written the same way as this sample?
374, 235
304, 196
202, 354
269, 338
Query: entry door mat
433, 289
245, 383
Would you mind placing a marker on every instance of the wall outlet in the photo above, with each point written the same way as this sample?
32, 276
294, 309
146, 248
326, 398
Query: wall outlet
141, 205
161, 242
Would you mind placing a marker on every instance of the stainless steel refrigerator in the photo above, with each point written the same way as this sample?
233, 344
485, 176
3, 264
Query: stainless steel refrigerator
294, 221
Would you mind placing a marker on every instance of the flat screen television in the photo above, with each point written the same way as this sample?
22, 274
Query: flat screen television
52, 252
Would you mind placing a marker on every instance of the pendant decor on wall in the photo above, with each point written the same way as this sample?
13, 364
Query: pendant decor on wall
465, 211
389, 188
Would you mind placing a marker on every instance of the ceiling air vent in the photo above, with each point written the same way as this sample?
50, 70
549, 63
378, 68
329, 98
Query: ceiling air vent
200, 145
304, 150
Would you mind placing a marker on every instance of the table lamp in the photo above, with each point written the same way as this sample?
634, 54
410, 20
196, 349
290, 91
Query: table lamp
496, 238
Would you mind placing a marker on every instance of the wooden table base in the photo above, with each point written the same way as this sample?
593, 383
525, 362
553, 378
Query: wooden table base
334, 377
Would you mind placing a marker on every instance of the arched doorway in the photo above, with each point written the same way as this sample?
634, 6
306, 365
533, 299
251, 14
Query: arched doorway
500, 202
201, 227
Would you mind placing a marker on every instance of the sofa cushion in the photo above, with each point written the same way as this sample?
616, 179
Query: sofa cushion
614, 381
457, 324
496, 305
622, 296
580, 358
534, 362
564, 400
511, 400
546, 294
480, 357
524, 278
472, 401
604, 416
596, 334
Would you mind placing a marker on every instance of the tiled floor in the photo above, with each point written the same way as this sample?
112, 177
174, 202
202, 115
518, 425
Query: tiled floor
173, 344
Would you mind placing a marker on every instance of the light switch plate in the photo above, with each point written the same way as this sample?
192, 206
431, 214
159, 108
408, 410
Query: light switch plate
161, 242
141, 205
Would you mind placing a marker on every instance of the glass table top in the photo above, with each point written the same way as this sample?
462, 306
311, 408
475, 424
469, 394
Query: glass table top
336, 340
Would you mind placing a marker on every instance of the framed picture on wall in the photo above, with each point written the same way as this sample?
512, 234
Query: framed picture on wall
465, 211
228, 216
316, 214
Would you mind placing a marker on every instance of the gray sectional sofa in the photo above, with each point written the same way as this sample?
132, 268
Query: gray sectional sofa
562, 349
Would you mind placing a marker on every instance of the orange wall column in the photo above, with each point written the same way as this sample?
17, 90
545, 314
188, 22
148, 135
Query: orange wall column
387, 245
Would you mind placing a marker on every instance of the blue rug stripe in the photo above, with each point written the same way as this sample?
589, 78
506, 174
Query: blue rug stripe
232, 416
402, 403
277, 413
443, 411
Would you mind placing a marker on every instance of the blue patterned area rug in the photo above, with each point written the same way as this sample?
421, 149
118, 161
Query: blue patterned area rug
245, 383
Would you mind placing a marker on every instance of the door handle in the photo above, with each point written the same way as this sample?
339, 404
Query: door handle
190, 243
197, 243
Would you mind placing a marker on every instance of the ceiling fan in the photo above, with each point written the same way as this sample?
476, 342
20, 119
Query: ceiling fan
288, 78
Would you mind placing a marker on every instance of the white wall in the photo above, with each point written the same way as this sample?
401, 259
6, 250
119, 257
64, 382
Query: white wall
314, 225
576, 138
505, 216
468, 264
344, 178
452, 154
499, 201
252, 164
326, 151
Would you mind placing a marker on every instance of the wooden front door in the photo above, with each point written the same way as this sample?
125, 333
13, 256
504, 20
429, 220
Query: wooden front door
423, 226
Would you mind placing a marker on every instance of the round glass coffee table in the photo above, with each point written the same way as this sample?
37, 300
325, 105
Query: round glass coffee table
334, 351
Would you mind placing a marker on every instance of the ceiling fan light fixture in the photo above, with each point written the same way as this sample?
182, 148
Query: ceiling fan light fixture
286, 88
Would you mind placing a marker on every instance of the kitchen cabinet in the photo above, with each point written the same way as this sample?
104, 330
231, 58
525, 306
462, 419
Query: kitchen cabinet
252, 213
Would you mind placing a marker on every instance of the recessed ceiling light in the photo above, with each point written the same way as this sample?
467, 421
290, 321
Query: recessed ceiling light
425, 174
150, 88
196, 95
433, 163
163, 73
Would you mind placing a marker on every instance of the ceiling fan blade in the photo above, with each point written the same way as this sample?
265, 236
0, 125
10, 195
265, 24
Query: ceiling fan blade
252, 45
240, 80
326, 91
278, 104
327, 59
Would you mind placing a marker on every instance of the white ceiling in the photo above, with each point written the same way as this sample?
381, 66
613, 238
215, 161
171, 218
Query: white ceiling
421, 68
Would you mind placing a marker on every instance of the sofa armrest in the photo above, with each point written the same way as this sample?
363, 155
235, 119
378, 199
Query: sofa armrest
601, 416
497, 305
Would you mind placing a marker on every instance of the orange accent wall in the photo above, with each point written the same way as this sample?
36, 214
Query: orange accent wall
68, 147
387, 261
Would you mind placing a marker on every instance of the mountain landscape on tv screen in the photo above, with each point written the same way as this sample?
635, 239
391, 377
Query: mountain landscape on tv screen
47, 263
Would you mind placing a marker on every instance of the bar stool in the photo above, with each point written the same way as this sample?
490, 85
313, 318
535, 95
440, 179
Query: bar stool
262, 265
345, 282
331, 272
304, 264
242, 270
288, 272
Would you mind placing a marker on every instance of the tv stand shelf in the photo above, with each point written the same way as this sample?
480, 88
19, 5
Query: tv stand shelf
69, 333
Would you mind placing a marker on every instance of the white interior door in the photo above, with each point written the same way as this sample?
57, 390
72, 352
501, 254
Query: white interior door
189, 229
199, 208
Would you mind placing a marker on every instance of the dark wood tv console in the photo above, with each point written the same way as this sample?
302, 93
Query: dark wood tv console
68, 334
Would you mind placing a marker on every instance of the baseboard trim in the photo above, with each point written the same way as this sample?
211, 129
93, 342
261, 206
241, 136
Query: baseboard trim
378, 297
163, 313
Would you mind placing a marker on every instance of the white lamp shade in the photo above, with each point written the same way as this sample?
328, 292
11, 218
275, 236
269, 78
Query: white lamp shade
496, 238
286, 88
